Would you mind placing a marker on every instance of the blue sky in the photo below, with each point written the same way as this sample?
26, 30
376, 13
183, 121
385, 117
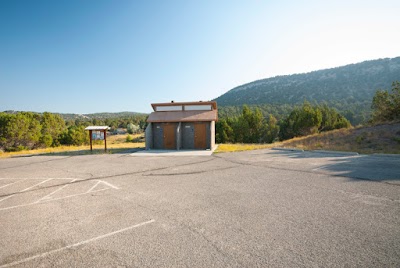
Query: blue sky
110, 56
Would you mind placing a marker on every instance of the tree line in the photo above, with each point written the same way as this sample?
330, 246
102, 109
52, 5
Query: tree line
357, 112
28, 130
386, 105
252, 126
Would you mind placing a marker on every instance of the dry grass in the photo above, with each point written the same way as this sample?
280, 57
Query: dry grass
118, 139
223, 148
366, 140
115, 144
383, 138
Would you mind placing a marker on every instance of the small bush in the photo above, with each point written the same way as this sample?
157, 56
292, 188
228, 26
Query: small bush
129, 138
132, 129
17, 148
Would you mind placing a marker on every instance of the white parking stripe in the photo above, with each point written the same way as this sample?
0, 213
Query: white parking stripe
94, 186
59, 189
7, 197
35, 185
109, 184
76, 244
72, 195
318, 168
12, 183
52, 199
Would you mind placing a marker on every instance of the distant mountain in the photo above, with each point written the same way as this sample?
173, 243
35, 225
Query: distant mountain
99, 115
92, 116
343, 87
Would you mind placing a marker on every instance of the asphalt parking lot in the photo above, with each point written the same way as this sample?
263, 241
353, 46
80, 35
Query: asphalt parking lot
263, 208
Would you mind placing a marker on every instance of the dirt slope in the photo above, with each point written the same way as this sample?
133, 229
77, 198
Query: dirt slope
383, 138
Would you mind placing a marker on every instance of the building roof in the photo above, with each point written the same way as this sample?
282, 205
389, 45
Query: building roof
212, 103
183, 116
97, 128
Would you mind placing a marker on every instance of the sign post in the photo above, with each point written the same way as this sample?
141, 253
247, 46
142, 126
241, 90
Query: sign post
90, 135
98, 133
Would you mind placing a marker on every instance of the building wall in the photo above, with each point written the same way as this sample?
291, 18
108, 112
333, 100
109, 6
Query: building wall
208, 127
149, 136
212, 131
184, 135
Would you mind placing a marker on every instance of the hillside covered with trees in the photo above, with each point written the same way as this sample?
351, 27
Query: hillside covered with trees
250, 126
349, 89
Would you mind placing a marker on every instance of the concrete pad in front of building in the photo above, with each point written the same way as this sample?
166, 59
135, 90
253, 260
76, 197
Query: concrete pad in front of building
174, 152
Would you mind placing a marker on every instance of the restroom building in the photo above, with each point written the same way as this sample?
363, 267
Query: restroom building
182, 125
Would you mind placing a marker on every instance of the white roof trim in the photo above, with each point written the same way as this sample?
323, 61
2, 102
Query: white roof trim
97, 128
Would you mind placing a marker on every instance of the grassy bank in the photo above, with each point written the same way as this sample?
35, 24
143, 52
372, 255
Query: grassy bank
384, 138
115, 144
237, 147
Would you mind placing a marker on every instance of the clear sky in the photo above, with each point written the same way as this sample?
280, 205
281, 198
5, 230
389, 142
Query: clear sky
108, 56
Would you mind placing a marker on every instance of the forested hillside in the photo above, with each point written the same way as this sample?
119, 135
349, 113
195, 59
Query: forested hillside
252, 127
349, 89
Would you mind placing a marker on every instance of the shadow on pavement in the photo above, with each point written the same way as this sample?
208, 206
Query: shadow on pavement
360, 167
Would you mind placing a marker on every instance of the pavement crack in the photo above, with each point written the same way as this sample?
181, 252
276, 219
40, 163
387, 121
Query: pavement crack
174, 174
186, 173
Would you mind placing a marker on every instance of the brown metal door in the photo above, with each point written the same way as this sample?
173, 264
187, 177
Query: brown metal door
200, 136
169, 136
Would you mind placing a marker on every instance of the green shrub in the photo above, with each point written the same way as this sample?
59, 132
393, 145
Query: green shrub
129, 138
46, 140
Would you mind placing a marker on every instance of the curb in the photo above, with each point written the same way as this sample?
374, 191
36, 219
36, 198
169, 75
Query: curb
287, 149
334, 152
166, 153
387, 155
22, 155
314, 151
